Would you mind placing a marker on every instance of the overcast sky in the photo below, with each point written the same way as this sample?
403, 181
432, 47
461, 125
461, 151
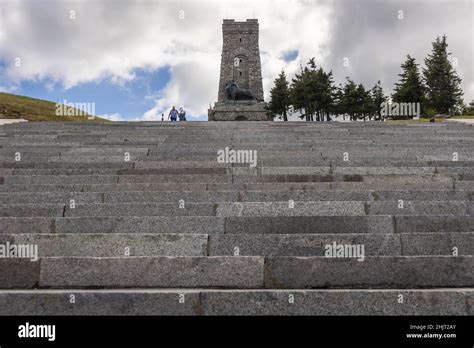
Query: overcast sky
135, 59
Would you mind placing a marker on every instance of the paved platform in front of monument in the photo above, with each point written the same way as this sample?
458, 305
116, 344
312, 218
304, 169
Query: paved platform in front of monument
159, 226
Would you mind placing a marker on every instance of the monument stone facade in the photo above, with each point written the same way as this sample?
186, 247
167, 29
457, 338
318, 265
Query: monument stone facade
240, 95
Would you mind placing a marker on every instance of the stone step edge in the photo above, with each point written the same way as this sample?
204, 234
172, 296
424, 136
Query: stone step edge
227, 290
199, 301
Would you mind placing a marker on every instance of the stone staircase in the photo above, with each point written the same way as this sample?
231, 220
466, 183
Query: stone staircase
141, 219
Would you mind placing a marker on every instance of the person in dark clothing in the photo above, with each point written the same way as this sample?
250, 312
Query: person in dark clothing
182, 114
173, 115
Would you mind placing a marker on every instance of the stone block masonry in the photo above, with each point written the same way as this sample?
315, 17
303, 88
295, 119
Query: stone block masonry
169, 230
240, 62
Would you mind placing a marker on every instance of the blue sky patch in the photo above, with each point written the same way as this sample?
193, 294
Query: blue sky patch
131, 100
290, 56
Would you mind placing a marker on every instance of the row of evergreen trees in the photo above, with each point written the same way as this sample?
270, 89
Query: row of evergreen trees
314, 95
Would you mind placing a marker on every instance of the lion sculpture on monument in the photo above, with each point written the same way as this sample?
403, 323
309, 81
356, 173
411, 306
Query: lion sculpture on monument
234, 92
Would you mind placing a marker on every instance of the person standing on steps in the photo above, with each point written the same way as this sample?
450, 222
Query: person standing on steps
162, 117
182, 114
173, 115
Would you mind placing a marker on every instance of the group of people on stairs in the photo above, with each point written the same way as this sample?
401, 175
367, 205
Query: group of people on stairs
174, 114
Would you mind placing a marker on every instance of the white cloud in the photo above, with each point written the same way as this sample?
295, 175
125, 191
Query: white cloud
107, 40
112, 117
9, 89
194, 80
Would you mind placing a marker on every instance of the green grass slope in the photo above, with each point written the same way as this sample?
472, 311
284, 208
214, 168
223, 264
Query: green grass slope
35, 110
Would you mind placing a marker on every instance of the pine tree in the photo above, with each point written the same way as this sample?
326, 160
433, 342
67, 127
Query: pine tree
378, 98
410, 88
305, 91
338, 107
349, 99
299, 94
444, 92
280, 97
327, 94
313, 92
364, 103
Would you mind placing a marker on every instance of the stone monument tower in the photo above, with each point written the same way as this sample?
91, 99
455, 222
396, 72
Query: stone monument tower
240, 94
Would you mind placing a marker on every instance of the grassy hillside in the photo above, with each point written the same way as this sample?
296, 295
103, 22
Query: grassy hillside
31, 109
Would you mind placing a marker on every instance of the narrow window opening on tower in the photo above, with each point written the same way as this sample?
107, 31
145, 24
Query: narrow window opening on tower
240, 39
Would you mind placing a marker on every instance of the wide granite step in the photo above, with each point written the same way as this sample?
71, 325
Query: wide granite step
273, 272
199, 301
239, 225
218, 244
